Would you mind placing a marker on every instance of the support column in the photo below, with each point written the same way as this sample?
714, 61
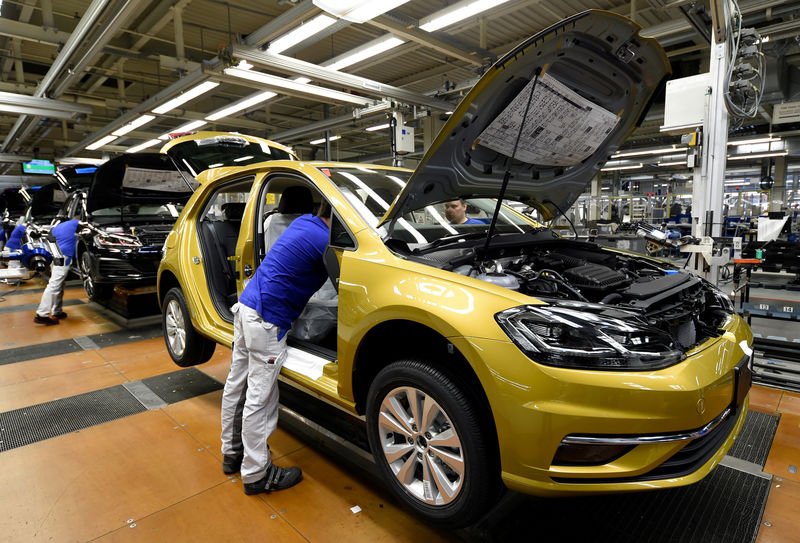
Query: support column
431, 126
778, 200
177, 19
594, 203
709, 176
47, 13
17, 50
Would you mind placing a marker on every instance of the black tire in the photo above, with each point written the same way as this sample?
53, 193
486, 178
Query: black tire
186, 347
95, 292
470, 492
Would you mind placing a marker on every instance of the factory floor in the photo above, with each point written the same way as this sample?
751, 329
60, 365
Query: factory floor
154, 474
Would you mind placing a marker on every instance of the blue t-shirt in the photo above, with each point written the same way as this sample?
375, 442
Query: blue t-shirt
65, 237
15, 238
292, 271
470, 220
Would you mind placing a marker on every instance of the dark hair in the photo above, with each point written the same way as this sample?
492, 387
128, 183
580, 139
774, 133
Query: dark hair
324, 210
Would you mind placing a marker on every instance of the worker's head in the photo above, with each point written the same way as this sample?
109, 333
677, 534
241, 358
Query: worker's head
456, 211
324, 211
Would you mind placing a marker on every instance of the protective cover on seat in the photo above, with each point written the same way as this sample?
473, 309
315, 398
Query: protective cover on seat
295, 201
319, 316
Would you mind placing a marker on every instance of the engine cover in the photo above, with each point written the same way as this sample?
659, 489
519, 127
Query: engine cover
597, 278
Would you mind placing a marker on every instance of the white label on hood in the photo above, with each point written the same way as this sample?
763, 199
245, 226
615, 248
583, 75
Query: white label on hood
156, 180
561, 129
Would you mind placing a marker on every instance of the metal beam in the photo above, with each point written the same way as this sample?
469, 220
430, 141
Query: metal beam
5, 157
279, 24
21, 102
326, 124
29, 32
297, 67
436, 41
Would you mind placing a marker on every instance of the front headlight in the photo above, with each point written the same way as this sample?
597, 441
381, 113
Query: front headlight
590, 337
116, 241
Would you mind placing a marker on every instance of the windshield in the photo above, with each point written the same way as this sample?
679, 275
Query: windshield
372, 191
204, 154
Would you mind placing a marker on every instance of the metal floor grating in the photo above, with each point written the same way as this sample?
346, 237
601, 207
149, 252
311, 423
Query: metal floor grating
53, 348
756, 437
43, 421
39, 422
182, 385
725, 507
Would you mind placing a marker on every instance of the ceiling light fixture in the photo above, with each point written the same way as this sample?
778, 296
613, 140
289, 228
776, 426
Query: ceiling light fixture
80, 160
240, 105
377, 127
181, 99
753, 141
301, 33
141, 146
677, 163
757, 155
357, 11
644, 152
99, 143
322, 140
133, 125
188, 127
375, 47
629, 167
457, 12
303, 88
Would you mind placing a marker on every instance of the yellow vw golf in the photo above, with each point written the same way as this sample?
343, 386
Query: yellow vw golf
489, 352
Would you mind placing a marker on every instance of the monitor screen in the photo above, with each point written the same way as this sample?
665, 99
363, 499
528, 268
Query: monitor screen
43, 167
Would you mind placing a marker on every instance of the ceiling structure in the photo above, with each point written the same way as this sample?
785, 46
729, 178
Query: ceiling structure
93, 78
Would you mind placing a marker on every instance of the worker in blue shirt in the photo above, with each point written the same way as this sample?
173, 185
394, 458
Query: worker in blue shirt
456, 213
276, 295
15, 239
49, 311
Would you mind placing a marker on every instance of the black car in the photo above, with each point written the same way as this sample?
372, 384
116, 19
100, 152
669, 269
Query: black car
130, 207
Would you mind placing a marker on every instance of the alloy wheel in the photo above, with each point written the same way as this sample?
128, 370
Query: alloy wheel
421, 445
176, 328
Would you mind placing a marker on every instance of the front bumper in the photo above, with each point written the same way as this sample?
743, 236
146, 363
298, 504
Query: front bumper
136, 267
673, 422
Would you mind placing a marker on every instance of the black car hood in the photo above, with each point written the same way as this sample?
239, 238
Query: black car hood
596, 76
147, 178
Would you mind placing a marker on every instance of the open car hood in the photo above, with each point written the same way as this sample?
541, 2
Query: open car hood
145, 178
596, 76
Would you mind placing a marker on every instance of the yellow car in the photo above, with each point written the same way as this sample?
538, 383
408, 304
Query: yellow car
493, 351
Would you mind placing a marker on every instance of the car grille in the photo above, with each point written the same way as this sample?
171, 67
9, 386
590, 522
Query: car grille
112, 268
152, 238
684, 462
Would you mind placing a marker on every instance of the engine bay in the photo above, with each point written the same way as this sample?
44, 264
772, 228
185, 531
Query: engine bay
554, 270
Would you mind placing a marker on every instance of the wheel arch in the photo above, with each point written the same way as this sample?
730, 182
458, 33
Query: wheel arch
410, 339
166, 281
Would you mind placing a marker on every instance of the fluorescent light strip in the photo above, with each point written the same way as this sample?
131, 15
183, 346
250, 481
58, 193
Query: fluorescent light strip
81, 160
304, 88
322, 140
678, 163
301, 33
375, 47
134, 124
188, 127
99, 143
240, 105
145, 145
757, 155
757, 140
377, 127
457, 12
181, 99
614, 168
644, 152
357, 11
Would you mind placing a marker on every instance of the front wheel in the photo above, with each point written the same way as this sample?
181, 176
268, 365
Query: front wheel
185, 345
95, 292
428, 438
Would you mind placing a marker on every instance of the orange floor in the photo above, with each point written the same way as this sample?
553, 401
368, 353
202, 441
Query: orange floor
156, 476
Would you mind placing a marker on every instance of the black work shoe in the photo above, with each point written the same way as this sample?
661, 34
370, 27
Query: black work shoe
275, 479
45, 320
60, 315
231, 464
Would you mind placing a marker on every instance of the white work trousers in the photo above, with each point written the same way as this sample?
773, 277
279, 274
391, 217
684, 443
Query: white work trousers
54, 293
250, 398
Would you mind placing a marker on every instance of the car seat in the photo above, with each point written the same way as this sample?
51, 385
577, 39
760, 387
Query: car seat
295, 201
